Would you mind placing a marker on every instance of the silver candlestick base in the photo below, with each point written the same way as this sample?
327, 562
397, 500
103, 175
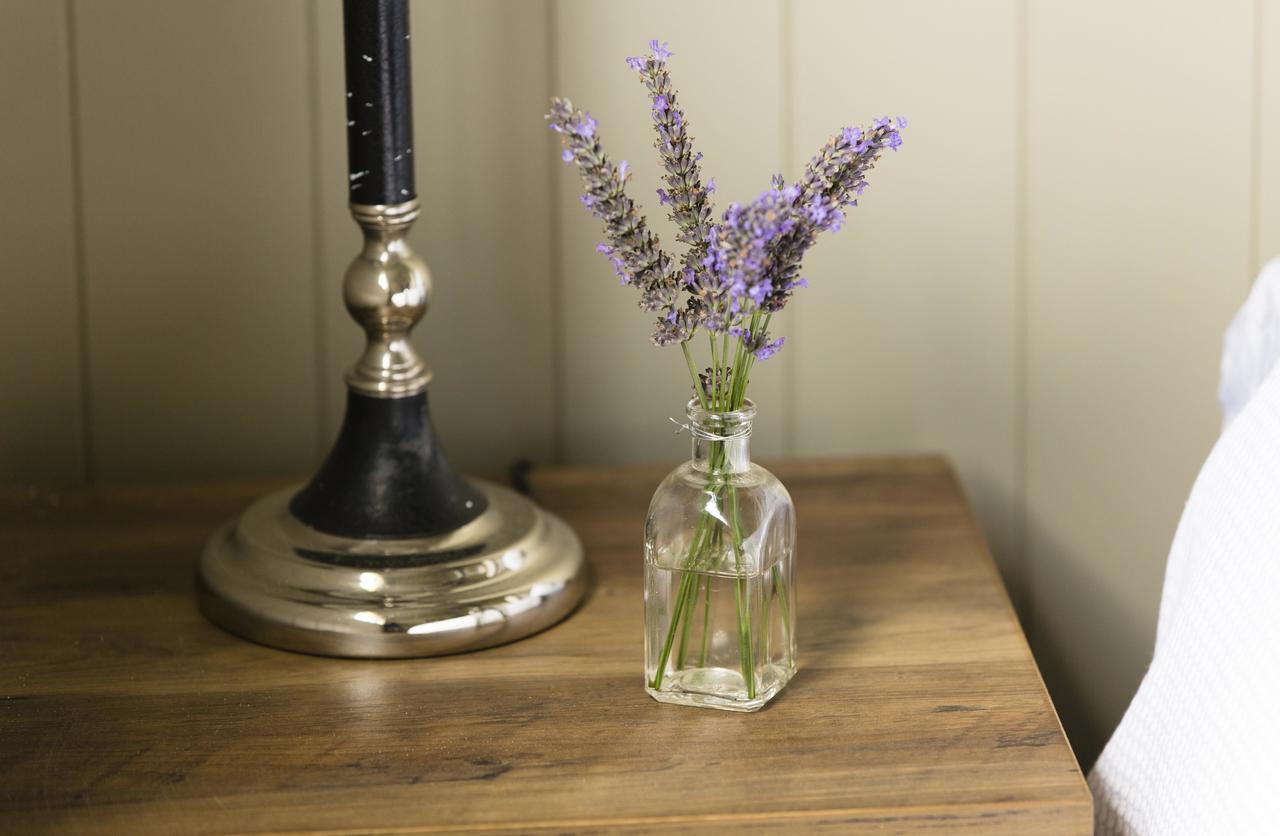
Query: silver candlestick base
388, 552
510, 572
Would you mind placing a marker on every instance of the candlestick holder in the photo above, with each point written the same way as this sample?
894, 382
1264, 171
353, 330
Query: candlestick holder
387, 551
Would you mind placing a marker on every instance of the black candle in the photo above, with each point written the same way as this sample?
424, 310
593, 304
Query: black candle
379, 101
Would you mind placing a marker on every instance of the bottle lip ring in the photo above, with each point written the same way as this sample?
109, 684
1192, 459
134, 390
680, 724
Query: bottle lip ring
720, 426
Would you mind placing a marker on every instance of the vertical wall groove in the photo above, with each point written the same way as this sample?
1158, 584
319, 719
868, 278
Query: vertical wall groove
787, 145
77, 221
1266, 175
1022, 419
316, 202
559, 395
1255, 150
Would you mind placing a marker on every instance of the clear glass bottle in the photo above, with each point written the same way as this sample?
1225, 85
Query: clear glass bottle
719, 599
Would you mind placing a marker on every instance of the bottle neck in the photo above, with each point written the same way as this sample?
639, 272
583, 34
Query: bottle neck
721, 440
713, 455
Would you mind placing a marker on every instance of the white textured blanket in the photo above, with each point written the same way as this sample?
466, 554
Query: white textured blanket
1198, 751
1251, 347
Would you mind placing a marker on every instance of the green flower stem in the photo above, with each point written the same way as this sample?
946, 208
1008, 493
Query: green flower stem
682, 597
780, 583
740, 375
693, 373
724, 359
706, 628
715, 378
686, 626
681, 600
766, 630
740, 594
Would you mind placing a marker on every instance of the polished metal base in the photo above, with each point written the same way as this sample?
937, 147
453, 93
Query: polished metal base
512, 571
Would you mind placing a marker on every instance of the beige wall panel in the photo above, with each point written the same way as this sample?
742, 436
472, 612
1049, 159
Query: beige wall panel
618, 389
1138, 254
907, 338
1268, 183
480, 86
41, 412
198, 237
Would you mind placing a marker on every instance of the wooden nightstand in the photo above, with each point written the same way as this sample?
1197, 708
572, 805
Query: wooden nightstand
917, 706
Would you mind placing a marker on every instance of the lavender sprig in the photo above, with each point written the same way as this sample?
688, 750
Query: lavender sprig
832, 182
689, 199
635, 251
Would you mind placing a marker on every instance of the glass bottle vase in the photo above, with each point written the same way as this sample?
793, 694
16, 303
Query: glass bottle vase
719, 546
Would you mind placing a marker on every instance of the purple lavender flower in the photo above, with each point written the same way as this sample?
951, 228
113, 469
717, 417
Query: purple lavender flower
767, 350
661, 52
818, 213
760, 291
566, 155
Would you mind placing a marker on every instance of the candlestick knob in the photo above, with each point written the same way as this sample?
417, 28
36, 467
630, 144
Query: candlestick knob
386, 290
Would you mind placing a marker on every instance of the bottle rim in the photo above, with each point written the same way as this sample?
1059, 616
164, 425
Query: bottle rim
720, 426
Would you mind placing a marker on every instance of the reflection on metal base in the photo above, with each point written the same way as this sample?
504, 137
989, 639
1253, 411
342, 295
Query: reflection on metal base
512, 571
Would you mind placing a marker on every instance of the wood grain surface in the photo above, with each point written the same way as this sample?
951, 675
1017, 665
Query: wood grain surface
917, 706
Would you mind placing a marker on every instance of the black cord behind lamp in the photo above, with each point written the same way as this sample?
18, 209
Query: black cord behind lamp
388, 551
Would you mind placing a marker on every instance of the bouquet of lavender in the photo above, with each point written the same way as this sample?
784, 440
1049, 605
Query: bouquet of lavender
735, 274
